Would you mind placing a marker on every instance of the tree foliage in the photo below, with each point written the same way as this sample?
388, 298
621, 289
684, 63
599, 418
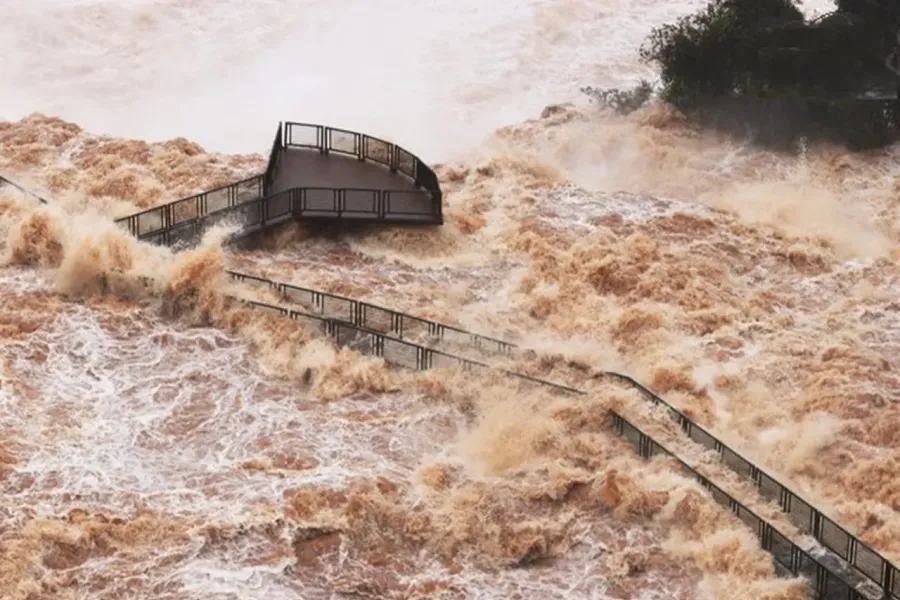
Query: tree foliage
622, 101
758, 65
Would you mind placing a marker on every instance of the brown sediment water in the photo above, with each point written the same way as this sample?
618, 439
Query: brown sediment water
753, 290
170, 430
164, 441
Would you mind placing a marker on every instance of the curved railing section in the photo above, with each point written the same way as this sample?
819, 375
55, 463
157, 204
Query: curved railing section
253, 204
390, 332
363, 147
356, 324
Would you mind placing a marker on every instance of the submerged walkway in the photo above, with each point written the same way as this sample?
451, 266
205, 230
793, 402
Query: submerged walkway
843, 568
318, 172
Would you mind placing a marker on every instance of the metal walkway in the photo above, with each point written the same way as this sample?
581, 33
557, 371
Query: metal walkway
848, 568
314, 172
845, 568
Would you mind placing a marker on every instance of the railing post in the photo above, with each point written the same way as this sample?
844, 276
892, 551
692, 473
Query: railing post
685, 424
816, 524
765, 536
889, 577
420, 360
263, 212
821, 584
851, 551
643, 445
795, 560
377, 345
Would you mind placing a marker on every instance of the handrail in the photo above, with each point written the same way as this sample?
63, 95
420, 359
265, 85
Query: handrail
193, 207
825, 581
857, 554
367, 148
434, 328
245, 192
186, 220
27, 192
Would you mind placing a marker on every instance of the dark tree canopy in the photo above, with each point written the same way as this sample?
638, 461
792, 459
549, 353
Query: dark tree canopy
757, 65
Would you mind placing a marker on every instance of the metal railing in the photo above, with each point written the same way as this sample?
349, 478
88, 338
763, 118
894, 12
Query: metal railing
363, 147
328, 202
152, 222
825, 581
25, 192
250, 203
377, 318
274, 156
403, 327
184, 222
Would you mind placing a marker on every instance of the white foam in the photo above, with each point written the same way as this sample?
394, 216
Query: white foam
108, 423
434, 76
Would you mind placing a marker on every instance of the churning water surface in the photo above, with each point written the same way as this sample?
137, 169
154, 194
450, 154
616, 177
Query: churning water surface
162, 443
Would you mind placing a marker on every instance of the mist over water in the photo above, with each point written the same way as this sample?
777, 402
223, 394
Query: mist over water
437, 76
158, 440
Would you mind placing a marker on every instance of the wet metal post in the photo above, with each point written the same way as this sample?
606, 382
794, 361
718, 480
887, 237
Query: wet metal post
892, 62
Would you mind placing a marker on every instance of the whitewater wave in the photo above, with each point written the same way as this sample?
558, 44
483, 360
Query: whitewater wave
161, 440
671, 291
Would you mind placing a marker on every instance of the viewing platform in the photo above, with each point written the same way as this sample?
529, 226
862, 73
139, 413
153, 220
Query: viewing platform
314, 172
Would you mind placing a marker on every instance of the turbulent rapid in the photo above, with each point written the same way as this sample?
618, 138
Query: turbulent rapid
160, 440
